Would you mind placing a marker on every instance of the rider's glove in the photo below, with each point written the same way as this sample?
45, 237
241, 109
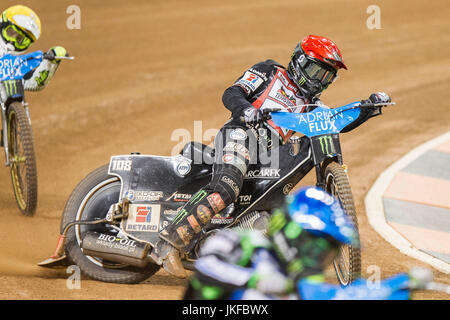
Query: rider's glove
57, 51
253, 115
379, 98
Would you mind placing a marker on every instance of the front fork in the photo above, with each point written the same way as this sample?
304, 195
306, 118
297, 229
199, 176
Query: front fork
320, 170
4, 142
5, 134
320, 180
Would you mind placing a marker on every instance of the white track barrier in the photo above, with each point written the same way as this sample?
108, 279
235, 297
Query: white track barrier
375, 212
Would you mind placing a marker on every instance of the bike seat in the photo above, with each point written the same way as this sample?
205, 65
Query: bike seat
198, 152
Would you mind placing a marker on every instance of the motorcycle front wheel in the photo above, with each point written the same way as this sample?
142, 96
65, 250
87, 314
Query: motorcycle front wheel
348, 264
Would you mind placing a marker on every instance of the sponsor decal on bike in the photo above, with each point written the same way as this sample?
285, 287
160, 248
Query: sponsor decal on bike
121, 165
183, 168
12, 67
235, 161
216, 202
179, 197
203, 214
232, 184
326, 142
143, 218
287, 188
111, 241
238, 134
320, 121
245, 199
185, 234
263, 173
217, 219
238, 148
194, 224
11, 87
143, 195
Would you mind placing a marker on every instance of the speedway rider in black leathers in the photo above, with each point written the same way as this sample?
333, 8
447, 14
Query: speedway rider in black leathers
314, 65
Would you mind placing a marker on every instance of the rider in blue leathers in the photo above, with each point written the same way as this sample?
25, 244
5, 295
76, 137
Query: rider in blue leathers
303, 239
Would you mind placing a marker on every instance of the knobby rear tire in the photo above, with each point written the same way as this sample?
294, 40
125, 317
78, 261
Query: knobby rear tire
90, 188
22, 156
337, 183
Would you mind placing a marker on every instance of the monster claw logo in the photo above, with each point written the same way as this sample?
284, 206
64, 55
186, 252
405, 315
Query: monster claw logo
326, 142
10, 87
144, 214
180, 216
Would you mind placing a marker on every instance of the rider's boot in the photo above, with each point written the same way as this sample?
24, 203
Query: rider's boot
170, 259
187, 227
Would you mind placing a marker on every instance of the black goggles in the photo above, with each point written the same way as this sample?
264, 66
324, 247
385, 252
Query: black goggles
317, 70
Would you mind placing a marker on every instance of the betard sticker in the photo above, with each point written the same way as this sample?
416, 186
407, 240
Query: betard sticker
143, 218
250, 81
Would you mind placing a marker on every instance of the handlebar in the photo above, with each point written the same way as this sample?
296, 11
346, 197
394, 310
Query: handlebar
268, 111
371, 105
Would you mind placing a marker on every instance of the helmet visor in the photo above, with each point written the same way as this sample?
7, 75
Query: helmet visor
316, 70
17, 37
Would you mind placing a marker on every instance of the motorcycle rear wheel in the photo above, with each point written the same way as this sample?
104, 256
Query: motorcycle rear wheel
22, 159
348, 264
90, 200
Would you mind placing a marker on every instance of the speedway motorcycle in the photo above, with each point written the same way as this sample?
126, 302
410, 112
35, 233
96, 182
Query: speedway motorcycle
111, 220
16, 134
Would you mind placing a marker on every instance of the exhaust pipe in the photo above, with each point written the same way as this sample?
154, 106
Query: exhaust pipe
116, 249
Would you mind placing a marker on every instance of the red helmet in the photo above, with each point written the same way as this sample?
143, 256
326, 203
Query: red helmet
314, 64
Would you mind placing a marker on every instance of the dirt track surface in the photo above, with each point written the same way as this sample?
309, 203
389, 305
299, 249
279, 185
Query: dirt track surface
146, 68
